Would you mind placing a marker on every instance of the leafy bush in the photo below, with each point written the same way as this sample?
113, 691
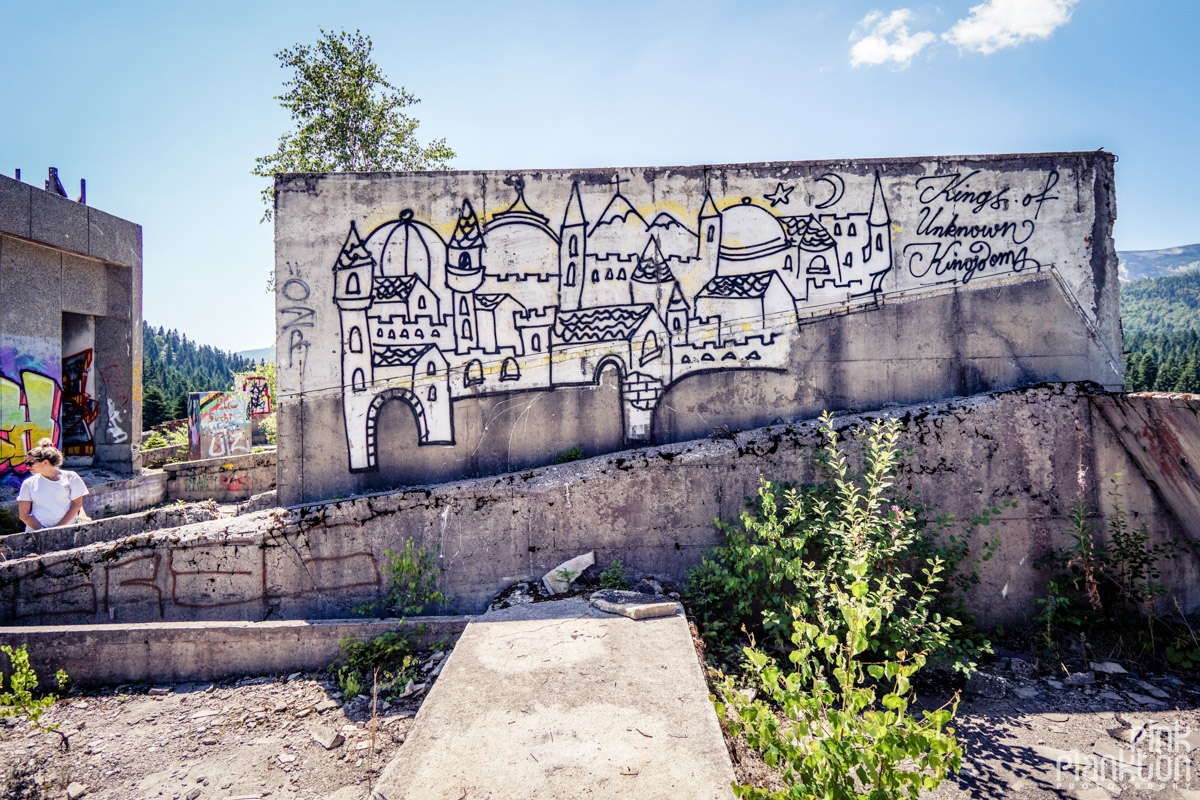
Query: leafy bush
19, 701
829, 731
154, 440
1097, 584
412, 576
773, 567
390, 659
567, 456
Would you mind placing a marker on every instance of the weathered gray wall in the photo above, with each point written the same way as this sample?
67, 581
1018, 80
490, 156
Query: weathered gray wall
63, 260
221, 479
67, 537
516, 315
652, 509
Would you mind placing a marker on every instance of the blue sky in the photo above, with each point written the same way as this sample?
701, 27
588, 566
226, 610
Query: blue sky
163, 107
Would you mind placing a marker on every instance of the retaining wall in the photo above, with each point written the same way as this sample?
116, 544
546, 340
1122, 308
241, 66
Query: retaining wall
68, 537
651, 508
225, 480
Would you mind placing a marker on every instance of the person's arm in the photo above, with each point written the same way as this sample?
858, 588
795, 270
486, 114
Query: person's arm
25, 512
72, 512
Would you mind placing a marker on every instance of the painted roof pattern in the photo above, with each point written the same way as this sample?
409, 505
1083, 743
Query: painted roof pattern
738, 287
812, 234
488, 302
398, 355
393, 287
588, 325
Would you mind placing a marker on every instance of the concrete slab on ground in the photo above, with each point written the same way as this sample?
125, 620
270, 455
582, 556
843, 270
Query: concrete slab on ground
560, 700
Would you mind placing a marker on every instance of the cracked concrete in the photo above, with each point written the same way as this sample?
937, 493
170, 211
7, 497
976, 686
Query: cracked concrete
650, 508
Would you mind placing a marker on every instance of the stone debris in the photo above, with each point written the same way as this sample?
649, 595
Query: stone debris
192, 795
1108, 668
1142, 699
559, 579
634, 605
160, 691
76, 790
648, 586
285, 758
1026, 692
984, 684
328, 739
1080, 679
327, 705
1152, 690
1021, 668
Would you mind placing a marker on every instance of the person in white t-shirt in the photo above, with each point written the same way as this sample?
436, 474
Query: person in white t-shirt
50, 496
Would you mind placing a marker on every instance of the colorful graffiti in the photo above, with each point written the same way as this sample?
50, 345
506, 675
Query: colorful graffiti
29, 411
218, 424
79, 409
258, 395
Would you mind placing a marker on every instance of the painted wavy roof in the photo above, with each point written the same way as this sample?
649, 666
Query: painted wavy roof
812, 234
393, 287
738, 287
398, 355
587, 325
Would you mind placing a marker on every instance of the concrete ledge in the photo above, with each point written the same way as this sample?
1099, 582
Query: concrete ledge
157, 456
164, 652
68, 537
126, 497
225, 480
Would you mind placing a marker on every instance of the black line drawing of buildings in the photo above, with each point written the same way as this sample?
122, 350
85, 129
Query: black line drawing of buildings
517, 304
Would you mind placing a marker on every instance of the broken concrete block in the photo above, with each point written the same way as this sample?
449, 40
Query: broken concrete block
634, 605
1108, 668
558, 580
985, 685
328, 739
76, 790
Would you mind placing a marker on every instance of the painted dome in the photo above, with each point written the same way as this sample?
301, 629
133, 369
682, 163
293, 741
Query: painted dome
750, 231
405, 247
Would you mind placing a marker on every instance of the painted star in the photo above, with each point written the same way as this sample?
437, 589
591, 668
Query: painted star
780, 195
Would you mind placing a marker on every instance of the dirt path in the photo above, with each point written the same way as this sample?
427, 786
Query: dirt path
277, 738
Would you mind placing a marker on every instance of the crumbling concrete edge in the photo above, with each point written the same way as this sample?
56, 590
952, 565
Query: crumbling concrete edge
175, 652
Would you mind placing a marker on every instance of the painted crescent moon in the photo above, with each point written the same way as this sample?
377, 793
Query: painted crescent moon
838, 186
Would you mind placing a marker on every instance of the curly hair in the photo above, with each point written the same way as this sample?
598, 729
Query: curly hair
46, 451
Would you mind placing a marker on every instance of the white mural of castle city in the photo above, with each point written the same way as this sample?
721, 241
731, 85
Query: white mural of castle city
525, 302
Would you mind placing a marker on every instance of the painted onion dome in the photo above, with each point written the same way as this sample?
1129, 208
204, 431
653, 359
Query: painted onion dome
749, 231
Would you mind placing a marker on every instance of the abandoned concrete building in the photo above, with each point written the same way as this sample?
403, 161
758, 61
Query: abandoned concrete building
70, 331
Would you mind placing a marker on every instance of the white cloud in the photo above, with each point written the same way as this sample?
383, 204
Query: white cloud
880, 38
996, 24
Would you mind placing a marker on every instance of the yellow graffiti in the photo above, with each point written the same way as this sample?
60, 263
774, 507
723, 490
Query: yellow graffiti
23, 424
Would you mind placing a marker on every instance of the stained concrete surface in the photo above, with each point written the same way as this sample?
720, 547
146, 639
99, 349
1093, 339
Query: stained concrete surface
559, 700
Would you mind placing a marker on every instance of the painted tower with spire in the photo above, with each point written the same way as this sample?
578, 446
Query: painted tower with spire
464, 276
709, 248
878, 255
354, 274
572, 251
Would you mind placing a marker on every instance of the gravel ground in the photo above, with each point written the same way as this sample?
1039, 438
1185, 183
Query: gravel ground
1029, 736
279, 738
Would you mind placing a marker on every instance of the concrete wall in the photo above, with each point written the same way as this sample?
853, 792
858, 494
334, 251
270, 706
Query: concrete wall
204, 651
70, 330
222, 479
651, 508
50, 540
516, 315
158, 456
218, 425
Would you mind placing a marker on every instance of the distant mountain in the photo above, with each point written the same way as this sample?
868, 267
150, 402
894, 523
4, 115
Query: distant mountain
1136, 265
1161, 305
673, 236
261, 354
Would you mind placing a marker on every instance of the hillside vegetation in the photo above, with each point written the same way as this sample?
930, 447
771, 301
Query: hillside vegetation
1161, 318
174, 366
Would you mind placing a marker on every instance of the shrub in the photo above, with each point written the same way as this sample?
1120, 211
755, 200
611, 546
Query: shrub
613, 576
389, 660
412, 577
567, 456
829, 731
1098, 585
773, 567
19, 701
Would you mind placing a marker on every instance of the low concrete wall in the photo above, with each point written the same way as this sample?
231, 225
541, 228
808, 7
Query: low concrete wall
126, 497
68, 537
651, 508
157, 456
203, 651
225, 480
